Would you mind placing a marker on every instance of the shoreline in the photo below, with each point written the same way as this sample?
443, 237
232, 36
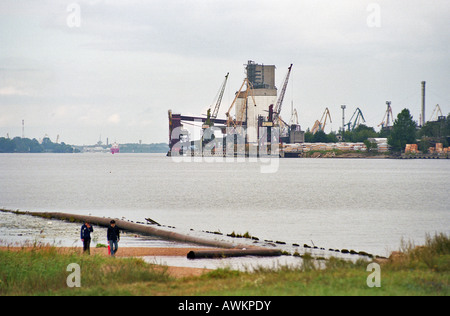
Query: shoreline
122, 253
135, 252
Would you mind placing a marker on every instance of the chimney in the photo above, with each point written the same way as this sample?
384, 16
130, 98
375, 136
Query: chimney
423, 103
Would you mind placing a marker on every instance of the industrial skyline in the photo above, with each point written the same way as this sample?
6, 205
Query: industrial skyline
80, 69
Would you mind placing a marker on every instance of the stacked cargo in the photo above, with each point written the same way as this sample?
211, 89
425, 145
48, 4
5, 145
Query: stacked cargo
411, 149
383, 148
381, 143
408, 148
292, 148
439, 149
343, 146
306, 147
351, 146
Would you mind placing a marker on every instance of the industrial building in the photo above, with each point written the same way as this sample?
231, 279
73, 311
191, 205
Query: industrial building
257, 105
254, 122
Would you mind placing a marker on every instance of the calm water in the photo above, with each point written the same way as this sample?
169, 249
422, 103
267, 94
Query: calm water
367, 205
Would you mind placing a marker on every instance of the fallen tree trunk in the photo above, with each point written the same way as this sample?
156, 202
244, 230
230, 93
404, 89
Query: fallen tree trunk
216, 254
134, 227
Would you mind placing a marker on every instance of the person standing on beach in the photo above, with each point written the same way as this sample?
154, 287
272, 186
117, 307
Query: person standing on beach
113, 236
86, 231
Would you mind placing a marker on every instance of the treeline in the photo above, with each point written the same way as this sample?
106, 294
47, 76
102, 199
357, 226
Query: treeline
358, 135
434, 132
404, 131
26, 145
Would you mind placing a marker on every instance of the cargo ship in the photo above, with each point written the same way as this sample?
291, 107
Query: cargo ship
115, 149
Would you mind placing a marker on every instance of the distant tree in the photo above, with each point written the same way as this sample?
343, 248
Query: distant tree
424, 144
26, 145
21, 145
309, 137
384, 133
6, 145
403, 131
363, 132
348, 136
446, 131
332, 138
432, 129
320, 137
34, 146
360, 134
370, 146
447, 125
436, 132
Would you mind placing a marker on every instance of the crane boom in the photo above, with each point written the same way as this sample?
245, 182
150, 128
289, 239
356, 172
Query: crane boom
282, 93
435, 115
388, 116
240, 119
234, 101
320, 125
326, 114
357, 121
219, 100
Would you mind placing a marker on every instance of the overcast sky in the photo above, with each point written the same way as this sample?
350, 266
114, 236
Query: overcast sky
81, 69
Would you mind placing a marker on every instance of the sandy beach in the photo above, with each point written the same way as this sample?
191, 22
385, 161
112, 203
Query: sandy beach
177, 272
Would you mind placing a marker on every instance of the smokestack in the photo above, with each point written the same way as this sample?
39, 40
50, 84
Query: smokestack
23, 128
423, 103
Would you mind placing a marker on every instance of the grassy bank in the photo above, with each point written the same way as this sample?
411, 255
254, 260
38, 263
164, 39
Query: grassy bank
413, 270
42, 270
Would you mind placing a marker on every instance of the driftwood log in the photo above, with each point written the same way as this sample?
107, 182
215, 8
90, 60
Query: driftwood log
226, 253
228, 249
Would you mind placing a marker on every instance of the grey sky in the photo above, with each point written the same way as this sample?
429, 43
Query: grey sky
130, 61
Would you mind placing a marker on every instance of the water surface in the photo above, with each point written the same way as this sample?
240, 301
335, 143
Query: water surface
360, 204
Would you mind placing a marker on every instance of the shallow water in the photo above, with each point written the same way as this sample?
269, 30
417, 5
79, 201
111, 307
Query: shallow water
248, 264
20, 230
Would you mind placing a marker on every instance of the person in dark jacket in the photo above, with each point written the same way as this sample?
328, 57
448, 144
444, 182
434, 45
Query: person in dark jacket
86, 231
113, 236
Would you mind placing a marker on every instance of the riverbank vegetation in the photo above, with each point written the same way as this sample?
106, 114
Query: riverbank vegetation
26, 145
423, 270
404, 131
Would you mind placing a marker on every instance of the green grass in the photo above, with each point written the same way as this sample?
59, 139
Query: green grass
43, 271
416, 271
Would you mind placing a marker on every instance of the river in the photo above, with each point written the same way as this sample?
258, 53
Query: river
363, 204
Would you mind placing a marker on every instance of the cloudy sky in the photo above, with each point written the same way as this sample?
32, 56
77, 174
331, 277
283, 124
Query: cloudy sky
85, 68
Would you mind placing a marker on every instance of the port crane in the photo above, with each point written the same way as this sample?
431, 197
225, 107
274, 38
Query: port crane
211, 117
358, 119
388, 117
435, 115
320, 125
241, 116
280, 100
284, 127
